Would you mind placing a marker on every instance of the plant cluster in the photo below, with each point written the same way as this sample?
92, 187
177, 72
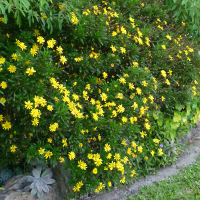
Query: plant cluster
104, 99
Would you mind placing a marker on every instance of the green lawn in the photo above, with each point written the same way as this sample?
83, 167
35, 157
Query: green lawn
183, 186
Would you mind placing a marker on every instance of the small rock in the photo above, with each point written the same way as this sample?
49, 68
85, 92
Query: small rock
19, 196
14, 190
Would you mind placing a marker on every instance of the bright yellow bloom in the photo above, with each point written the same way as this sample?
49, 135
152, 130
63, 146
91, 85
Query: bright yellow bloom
114, 33
35, 122
107, 147
6, 125
95, 171
95, 116
163, 47
160, 152
82, 165
109, 156
105, 75
34, 50
61, 159
152, 153
133, 173
59, 49
124, 119
147, 126
113, 48
104, 96
40, 40
131, 86
120, 109
3, 85
42, 101
41, 151
28, 105
143, 134
124, 142
138, 91
170, 57
109, 184
64, 142
48, 154
13, 148
63, 59
133, 119
167, 82
123, 50
163, 73
71, 155
50, 107
117, 156
140, 149
119, 96
49, 140
123, 30
12, 69
170, 72
135, 105
36, 113
78, 59
74, 19
123, 180
51, 43
135, 64
21, 45
144, 83
53, 127
78, 186
86, 12
122, 80
3, 100
2, 60
156, 141
168, 37
100, 187
30, 71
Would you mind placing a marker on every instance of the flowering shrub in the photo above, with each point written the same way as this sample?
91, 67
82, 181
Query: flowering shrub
106, 101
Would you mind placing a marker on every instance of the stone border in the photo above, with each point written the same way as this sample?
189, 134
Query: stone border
186, 158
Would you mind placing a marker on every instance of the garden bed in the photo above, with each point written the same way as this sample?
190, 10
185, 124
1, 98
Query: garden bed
187, 157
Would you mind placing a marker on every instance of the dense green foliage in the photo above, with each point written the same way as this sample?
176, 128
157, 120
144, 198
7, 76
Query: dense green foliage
188, 12
105, 95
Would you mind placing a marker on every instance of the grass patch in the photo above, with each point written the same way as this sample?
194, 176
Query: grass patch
185, 186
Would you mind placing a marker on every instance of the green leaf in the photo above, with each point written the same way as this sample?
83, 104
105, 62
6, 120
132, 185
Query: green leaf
174, 125
177, 117
172, 134
178, 107
160, 122
155, 115
188, 109
26, 4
